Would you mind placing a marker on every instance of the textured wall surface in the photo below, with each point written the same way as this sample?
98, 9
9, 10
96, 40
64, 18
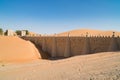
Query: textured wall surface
70, 46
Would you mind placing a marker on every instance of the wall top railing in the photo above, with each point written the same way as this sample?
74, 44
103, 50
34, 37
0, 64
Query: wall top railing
82, 35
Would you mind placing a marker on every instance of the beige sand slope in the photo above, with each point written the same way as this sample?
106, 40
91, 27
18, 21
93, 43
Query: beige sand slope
15, 49
82, 32
100, 66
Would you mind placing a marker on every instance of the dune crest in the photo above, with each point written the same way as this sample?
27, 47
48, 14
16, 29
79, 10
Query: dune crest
82, 32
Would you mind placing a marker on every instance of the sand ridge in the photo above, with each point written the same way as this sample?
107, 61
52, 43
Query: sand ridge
82, 32
15, 49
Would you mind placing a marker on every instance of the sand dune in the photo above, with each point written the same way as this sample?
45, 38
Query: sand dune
82, 32
15, 49
100, 66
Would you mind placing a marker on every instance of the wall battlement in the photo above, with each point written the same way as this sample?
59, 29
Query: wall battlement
65, 46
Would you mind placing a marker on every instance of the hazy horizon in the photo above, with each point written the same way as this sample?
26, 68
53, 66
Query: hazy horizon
55, 16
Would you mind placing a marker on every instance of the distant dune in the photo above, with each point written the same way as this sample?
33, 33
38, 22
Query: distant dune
15, 49
82, 32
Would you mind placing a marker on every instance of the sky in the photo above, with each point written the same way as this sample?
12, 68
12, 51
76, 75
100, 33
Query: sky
55, 16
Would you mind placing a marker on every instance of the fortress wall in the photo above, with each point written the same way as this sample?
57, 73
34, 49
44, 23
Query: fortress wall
60, 46
100, 44
118, 41
77, 45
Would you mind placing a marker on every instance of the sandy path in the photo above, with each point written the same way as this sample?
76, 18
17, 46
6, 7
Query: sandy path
101, 66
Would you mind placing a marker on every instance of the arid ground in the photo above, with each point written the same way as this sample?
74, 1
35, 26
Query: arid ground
100, 66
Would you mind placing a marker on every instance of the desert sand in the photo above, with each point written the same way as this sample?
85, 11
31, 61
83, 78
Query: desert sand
100, 66
82, 32
14, 49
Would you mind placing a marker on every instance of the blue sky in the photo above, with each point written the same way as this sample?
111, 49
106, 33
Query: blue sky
54, 16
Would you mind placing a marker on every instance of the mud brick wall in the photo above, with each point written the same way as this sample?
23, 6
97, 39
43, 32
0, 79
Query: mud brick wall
76, 45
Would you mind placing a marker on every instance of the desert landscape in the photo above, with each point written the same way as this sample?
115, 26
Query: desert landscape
59, 39
21, 60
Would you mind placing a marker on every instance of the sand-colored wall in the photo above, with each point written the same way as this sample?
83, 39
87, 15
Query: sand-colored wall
75, 45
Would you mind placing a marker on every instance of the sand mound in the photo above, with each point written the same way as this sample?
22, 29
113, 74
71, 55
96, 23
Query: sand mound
16, 49
82, 32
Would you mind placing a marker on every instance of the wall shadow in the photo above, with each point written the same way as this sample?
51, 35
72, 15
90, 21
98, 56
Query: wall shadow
43, 54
